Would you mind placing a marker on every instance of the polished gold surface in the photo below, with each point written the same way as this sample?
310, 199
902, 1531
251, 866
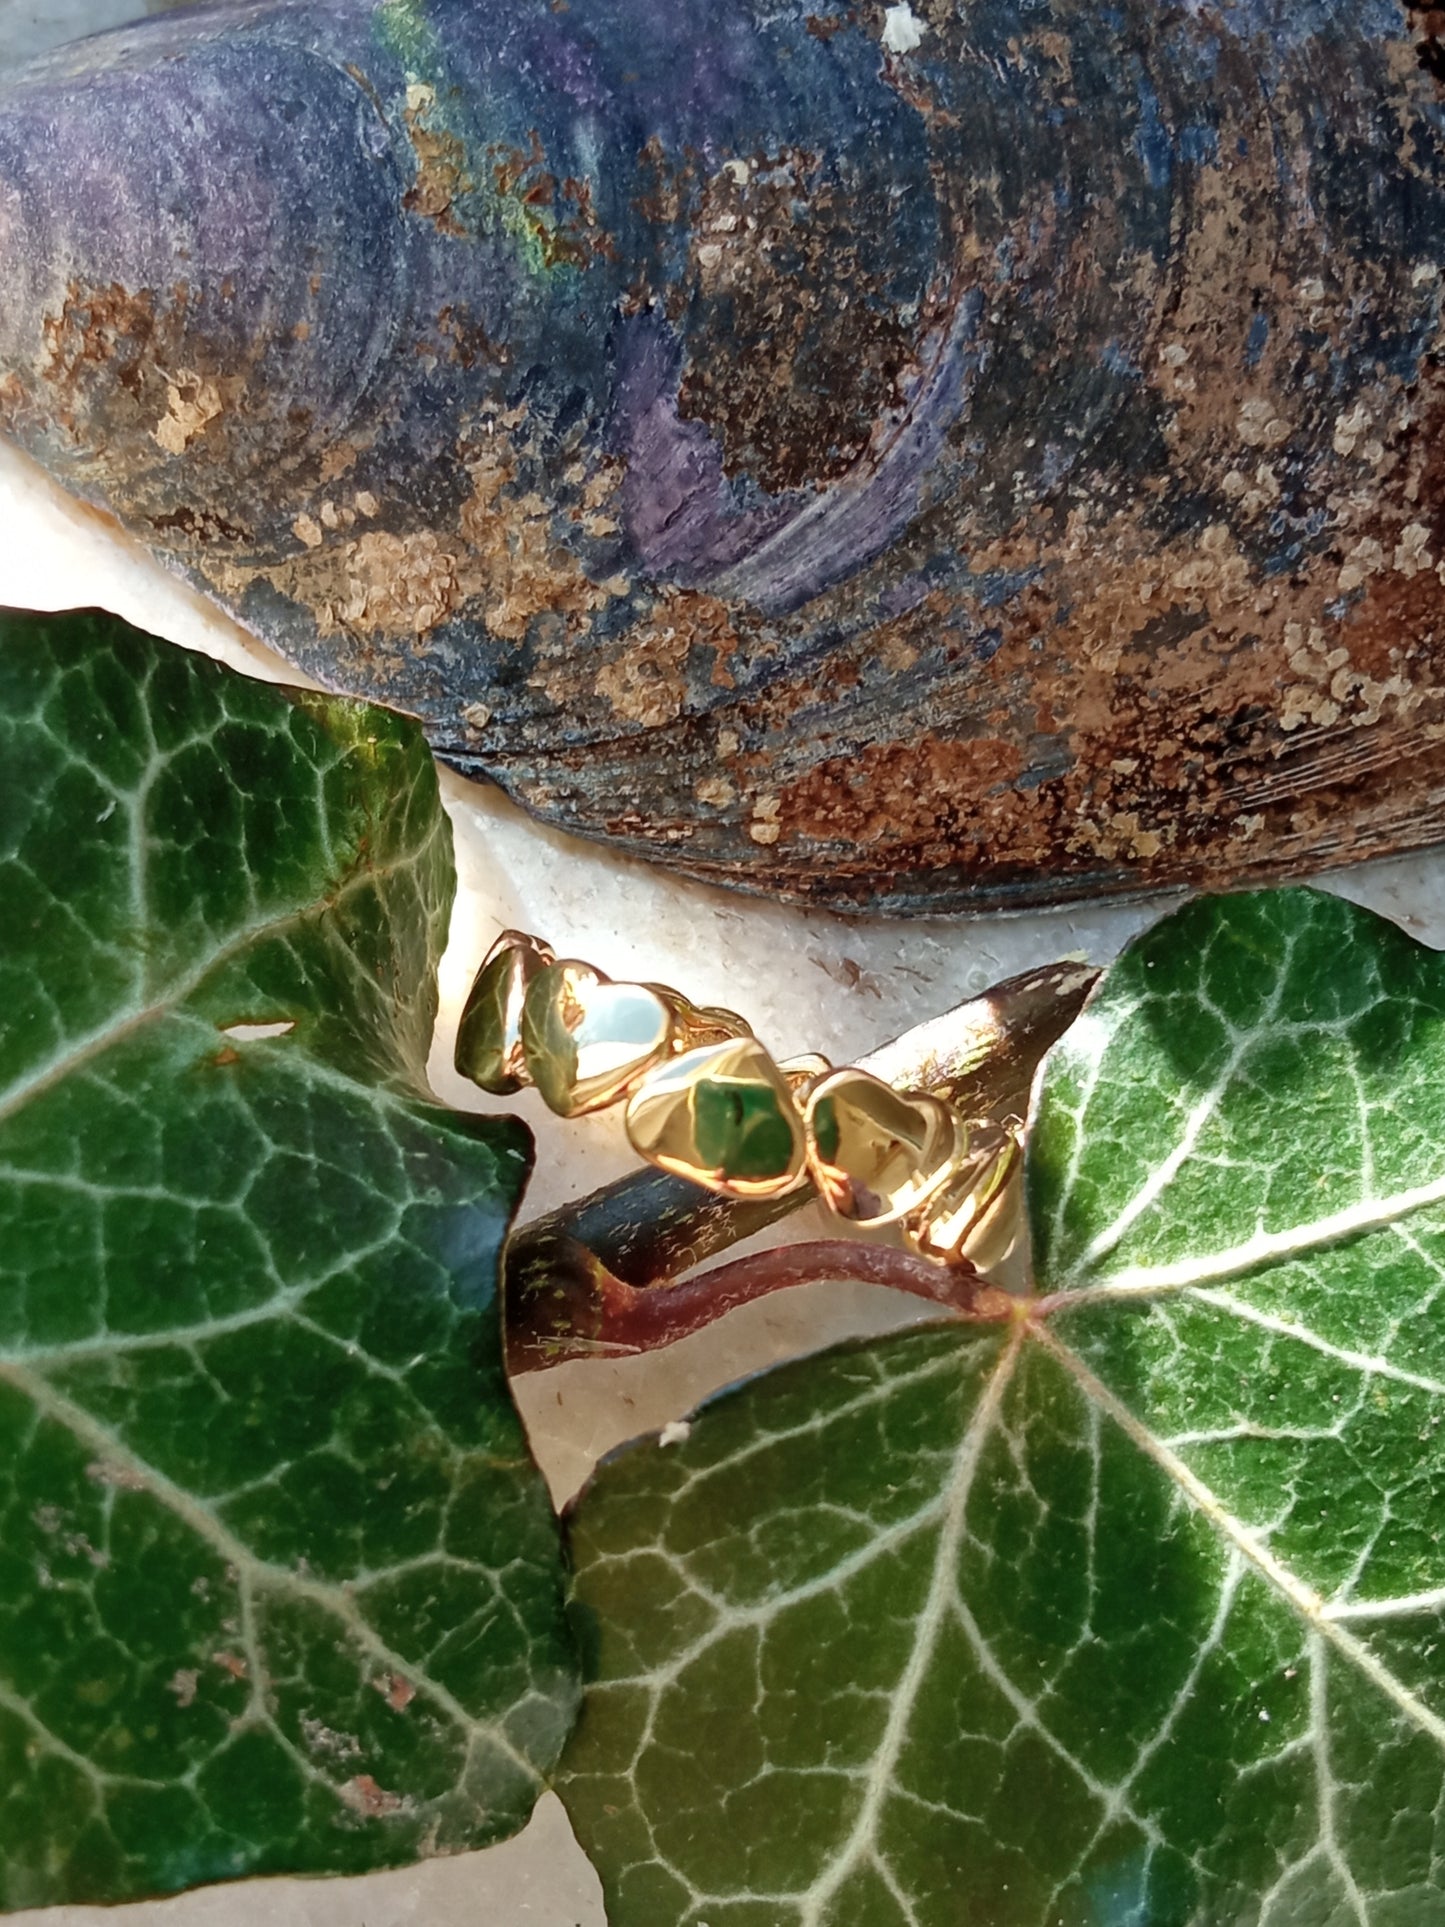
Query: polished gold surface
699, 1024
724, 1117
707, 1102
804, 1070
978, 1213
590, 1042
876, 1154
489, 1036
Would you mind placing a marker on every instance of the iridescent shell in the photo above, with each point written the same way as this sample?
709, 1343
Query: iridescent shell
980, 454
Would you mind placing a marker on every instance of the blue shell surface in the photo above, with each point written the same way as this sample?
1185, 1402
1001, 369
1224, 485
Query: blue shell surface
985, 473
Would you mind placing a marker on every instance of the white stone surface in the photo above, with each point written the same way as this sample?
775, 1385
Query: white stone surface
806, 980
903, 31
30, 26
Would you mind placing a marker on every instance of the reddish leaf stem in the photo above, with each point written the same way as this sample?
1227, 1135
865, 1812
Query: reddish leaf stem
624, 1319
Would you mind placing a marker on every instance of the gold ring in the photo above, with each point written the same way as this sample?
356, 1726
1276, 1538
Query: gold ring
707, 1102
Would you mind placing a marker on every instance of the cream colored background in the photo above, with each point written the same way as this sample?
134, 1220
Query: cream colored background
807, 981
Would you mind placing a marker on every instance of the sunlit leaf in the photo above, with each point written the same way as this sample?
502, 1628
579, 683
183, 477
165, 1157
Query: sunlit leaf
279, 1586
1130, 1609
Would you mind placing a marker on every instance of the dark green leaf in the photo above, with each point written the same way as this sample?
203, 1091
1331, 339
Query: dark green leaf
279, 1587
1131, 1610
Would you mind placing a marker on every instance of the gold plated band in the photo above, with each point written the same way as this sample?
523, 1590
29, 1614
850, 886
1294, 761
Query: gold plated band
707, 1102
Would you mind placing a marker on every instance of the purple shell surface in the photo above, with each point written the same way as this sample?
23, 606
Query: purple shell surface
976, 466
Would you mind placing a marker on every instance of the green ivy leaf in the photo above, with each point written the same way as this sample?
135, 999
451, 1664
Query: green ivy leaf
1131, 1609
279, 1586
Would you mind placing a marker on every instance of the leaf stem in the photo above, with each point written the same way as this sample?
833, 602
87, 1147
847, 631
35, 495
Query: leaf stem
620, 1320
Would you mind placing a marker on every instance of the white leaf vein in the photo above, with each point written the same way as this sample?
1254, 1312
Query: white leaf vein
1309, 1605
251, 1570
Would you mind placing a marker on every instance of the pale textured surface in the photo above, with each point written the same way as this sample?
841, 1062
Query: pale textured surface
28, 26
806, 980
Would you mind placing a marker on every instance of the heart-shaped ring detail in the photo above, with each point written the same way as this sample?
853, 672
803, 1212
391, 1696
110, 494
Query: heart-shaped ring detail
489, 1035
589, 1042
978, 1212
699, 1024
722, 1116
876, 1154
